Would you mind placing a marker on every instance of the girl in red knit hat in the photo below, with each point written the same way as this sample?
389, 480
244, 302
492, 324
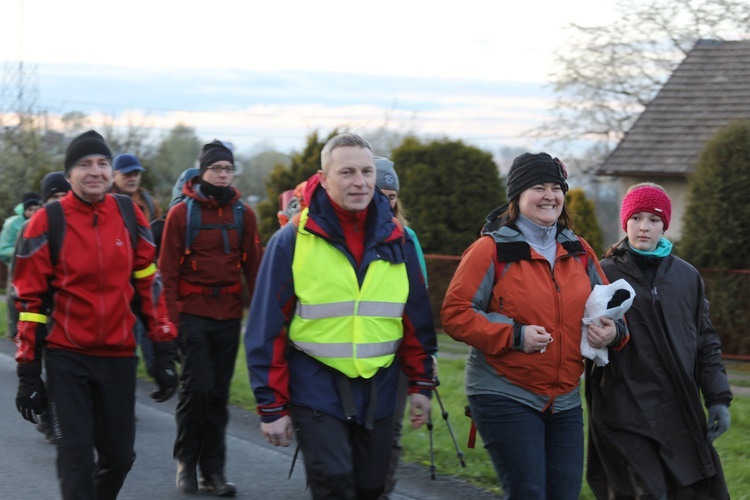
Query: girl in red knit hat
649, 437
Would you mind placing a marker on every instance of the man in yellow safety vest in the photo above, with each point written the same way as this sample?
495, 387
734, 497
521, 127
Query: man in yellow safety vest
340, 308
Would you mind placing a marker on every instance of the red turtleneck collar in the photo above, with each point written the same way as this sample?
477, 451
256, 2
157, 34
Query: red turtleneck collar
353, 225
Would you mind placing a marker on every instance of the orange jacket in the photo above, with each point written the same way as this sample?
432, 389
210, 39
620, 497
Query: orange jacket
502, 284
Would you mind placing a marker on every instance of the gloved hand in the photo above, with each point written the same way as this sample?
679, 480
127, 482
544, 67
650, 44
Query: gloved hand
165, 371
31, 398
718, 421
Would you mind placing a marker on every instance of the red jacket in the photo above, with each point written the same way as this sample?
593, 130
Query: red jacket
207, 265
91, 282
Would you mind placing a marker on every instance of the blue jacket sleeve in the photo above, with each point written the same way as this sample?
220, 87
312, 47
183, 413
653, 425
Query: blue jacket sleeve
419, 344
266, 331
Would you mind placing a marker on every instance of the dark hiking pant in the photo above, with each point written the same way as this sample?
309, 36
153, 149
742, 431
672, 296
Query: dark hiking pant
343, 460
91, 406
208, 350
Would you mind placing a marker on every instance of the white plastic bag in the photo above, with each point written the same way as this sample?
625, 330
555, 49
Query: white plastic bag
596, 308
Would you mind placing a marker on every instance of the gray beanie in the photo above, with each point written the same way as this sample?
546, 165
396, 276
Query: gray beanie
386, 176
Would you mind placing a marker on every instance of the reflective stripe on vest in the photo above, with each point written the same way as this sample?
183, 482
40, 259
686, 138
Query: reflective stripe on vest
346, 350
338, 309
355, 330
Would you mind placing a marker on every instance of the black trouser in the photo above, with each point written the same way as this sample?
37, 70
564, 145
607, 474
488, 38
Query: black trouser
12, 316
343, 460
398, 430
208, 350
91, 405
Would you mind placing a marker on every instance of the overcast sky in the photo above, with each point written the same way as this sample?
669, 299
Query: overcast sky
273, 71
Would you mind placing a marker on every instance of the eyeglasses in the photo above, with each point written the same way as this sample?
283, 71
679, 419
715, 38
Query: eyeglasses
218, 169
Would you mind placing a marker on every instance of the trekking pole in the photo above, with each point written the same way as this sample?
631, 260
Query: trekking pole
432, 448
294, 460
459, 453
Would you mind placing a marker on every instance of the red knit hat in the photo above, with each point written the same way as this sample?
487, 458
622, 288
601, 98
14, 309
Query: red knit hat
646, 199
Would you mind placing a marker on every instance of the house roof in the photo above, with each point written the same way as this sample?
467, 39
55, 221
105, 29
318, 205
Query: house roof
707, 91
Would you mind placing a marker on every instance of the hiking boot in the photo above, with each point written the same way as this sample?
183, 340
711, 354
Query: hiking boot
218, 486
187, 478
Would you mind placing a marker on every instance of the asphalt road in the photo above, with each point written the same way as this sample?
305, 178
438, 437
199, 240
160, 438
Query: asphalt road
27, 462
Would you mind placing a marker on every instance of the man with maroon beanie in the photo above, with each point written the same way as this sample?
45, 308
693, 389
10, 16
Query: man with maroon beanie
89, 280
203, 284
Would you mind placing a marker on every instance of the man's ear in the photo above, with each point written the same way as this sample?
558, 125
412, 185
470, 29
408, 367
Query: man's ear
323, 179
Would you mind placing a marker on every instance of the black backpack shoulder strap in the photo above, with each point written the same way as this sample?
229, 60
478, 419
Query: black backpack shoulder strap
194, 224
150, 203
125, 203
239, 218
55, 229
192, 221
56, 224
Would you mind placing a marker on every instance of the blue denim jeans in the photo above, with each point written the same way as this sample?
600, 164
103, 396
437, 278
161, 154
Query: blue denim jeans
536, 455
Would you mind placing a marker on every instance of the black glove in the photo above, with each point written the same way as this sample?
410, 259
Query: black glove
31, 399
718, 421
165, 371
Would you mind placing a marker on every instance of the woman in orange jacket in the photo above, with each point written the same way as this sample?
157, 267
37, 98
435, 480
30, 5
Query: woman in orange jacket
517, 299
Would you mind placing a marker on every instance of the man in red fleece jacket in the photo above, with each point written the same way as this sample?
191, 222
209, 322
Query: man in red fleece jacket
86, 286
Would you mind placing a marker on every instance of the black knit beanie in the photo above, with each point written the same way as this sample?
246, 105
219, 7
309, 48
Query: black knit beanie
88, 143
30, 199
212, 152
531, 169
52, 183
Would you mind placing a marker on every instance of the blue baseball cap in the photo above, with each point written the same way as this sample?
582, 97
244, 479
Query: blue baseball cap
127, 163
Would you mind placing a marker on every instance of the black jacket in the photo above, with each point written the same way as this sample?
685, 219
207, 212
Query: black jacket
645, 406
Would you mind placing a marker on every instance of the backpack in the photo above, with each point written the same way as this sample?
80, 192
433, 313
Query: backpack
56, 222
149, 203
193, 223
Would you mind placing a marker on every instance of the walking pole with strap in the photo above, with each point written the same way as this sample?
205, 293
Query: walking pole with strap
294, 460
444, 413
432, 448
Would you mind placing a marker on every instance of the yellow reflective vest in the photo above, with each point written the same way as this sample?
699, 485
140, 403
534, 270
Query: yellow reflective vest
351, 329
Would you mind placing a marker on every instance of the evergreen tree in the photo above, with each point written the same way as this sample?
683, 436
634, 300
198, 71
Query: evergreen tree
585, 223
253, 172
303, 164
716, 231
448, 188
